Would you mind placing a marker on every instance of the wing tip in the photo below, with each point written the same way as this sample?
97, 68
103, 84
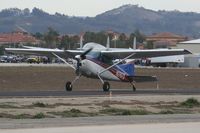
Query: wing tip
187, 51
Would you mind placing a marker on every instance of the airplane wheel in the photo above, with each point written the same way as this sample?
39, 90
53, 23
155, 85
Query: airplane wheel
68, 86
106, 86
134, 89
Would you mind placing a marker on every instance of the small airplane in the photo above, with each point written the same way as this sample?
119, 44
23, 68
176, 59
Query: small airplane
94, 60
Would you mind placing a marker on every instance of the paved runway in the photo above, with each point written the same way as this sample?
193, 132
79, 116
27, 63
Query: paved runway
141, 128
101, 93
100, 121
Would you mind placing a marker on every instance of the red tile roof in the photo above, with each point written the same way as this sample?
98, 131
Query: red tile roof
165, 35
17, 37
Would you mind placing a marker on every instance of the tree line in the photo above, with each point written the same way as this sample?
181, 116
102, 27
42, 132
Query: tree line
52, 39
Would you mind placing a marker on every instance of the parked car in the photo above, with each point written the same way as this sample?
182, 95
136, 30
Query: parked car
33, 60
3, 59
12, 59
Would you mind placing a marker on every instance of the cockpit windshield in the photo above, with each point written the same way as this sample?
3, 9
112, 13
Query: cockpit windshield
100, 57
94, 54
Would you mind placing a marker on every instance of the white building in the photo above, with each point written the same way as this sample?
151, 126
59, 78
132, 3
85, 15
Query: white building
194, 47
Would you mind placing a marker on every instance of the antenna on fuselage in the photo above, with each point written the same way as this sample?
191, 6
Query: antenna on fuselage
108, 43
134, 42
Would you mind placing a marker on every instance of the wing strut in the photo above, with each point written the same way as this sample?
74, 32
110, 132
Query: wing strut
64, 60
99, 74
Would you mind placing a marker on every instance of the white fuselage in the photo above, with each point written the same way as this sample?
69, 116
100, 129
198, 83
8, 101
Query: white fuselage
91, 69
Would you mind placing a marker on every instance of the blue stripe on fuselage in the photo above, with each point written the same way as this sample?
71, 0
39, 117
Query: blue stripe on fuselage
128, 68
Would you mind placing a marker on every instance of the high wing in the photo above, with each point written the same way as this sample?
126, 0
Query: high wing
112, 53
122, 53
34, 51
43, 51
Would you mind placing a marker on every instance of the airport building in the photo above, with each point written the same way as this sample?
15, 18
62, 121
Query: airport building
194, 47
165, 39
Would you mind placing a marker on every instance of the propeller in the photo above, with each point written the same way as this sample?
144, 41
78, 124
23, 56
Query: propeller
79, 58
83, 55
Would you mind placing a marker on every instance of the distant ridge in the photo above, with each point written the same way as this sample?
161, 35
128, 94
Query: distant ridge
124, 19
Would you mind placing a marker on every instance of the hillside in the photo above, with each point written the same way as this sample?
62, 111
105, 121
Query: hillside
125, 19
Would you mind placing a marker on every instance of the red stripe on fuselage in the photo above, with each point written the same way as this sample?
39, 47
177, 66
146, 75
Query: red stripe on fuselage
112, 70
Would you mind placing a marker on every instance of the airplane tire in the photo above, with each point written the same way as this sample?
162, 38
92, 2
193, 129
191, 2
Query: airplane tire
106, 87
68, 86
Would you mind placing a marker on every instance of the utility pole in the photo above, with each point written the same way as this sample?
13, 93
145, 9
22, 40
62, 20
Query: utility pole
134, 43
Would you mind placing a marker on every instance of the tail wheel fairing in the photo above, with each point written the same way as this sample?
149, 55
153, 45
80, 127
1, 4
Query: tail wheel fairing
134, 88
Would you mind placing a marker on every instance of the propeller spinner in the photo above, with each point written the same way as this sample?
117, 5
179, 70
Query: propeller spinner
79, 58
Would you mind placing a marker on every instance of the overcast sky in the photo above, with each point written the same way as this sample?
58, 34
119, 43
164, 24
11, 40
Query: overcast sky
94, 7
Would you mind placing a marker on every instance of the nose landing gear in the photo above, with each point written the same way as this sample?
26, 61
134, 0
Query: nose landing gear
69, 85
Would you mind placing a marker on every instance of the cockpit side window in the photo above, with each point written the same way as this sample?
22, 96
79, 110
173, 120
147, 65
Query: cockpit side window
105, 59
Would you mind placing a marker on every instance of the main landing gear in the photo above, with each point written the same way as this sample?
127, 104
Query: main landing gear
106, 86
68, 86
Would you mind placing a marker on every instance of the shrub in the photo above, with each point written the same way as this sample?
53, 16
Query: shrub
191, 102
39, 104
166, 112
39, 116
116, 111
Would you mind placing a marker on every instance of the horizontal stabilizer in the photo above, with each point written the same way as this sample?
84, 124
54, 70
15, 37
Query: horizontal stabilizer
144, 78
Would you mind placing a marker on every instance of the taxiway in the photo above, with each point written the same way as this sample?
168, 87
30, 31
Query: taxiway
88, 93
142, 128
100, 121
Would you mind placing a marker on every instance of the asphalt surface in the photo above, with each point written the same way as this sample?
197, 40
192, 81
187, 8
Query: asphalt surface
88, 93
92, 121
142, 128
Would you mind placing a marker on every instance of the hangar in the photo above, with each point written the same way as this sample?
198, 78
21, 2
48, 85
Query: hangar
194, 47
